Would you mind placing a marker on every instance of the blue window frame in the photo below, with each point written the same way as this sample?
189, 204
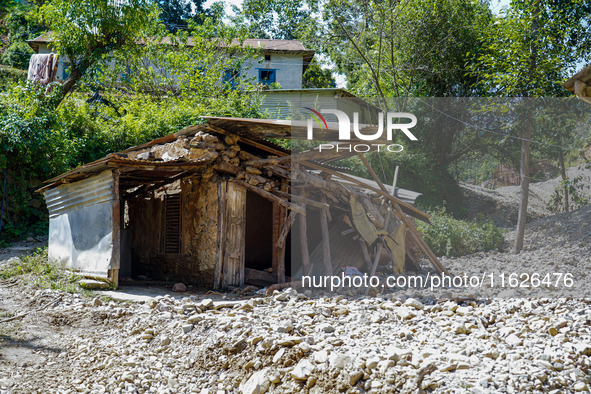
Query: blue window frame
65, 73
267, 76
231, 77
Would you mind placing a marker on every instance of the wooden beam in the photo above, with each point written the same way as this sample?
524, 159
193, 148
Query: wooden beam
115, 263
325, 243
303, 200
271, 197
406, 207
281, 250
303, 227
285, 229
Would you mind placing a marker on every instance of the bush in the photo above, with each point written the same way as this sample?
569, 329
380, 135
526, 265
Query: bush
17, 55
39, 140
447, 236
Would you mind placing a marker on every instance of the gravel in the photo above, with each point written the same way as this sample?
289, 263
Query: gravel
525, 340
476, 346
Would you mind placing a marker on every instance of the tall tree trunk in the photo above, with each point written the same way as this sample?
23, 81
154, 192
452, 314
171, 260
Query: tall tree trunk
524, 174
527, 133
562, 169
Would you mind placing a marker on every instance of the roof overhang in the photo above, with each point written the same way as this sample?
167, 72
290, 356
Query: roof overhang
580, 84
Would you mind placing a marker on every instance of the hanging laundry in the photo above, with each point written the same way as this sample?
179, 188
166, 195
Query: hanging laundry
43, 68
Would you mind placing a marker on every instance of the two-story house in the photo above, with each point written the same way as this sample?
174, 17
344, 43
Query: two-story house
277, 61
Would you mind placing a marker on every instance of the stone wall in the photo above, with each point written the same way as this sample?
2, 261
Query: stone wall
199, 236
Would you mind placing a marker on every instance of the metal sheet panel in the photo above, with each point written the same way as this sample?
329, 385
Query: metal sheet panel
81, 224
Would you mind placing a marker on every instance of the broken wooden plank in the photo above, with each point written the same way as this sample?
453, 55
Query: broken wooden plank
302, 200
414, 233
413, 211
272, 197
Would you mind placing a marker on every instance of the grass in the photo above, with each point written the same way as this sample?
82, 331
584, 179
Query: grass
39, 270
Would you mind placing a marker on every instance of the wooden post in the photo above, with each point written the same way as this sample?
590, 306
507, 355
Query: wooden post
303, 227
113, 272
275, 237
325, 243
281, 265
221, 244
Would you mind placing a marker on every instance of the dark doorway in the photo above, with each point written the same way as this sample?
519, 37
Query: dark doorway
259, 232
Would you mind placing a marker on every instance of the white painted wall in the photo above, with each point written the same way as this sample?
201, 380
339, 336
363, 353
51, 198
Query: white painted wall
288, 68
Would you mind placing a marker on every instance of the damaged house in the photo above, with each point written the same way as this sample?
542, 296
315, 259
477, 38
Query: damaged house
218, 205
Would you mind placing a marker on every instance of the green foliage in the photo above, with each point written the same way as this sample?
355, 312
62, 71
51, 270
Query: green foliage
21, 23
532, 49
447, 236
317, 77
578, 194
10, 75
89, 32
42, 272
17, 55
408, 48
280, 19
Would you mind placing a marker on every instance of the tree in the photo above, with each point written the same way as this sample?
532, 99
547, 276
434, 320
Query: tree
317, 77
280, 19
174, 13
404, 48
88, 32
529, 51
392, 50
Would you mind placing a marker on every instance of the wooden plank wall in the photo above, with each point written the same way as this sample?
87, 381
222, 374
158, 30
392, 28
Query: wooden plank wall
235, 220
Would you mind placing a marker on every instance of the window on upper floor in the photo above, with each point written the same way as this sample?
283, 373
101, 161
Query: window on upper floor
231, 77
267, 58
267, 77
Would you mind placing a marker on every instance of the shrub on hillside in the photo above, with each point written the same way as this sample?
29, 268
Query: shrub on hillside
17, 55
447, 236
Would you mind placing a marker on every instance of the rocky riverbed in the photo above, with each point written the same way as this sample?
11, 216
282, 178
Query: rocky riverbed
290, 341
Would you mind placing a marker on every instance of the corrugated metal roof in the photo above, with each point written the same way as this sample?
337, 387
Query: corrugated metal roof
292, 46
87, 192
